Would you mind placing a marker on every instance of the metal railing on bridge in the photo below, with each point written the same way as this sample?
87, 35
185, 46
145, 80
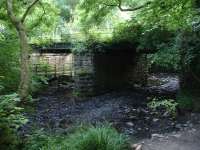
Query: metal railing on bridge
52, 65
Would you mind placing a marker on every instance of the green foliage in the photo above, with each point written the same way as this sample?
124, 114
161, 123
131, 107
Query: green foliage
128, 32
94, 12
100, 138
185, 102
11, 119
66, 8
38, 82
168, 104
189, 100
90, 44
44, 67
83, 72
9, 112
1, 86
76, 94
188, 42
93, 138
161, 41
156, 38
80, 47
173, 14
166, 59
9, 62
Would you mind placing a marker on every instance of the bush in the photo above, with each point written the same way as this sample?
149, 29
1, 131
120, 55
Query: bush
188, 42
189, 100
94, 138
168, 104
38, 82
9, 65
128, 32
154, 38
11, 119
166, 59
161, 41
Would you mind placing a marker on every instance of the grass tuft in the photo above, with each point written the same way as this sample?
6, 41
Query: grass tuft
92, 138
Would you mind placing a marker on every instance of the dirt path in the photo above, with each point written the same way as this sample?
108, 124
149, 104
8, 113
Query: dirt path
183, 140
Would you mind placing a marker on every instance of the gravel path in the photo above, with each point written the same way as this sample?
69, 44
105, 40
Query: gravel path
183, 140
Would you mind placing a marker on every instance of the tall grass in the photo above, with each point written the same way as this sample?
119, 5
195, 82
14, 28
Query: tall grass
93, 138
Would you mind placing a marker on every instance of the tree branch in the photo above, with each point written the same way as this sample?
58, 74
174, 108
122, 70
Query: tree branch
119, 5
110, 5
132, 9
40, 18
14, 19
28, 10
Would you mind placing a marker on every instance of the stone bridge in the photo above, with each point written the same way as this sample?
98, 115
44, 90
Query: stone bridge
52, 60
102, 68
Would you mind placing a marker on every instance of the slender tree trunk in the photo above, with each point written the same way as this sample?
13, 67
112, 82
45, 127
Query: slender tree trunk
18, 23
24, 63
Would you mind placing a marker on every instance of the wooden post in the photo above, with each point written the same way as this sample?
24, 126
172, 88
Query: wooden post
46, 69
55, 69
63, 69
36, 69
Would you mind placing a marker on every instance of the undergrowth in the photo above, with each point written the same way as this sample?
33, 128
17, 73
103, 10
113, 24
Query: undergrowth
11, 118
169, 105
92, 138
189, 100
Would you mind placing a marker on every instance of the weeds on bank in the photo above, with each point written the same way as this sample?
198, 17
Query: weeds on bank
169, 105
92, 138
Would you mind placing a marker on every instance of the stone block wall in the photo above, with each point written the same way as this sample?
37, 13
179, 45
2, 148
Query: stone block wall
83, 75
139, 71
98, 73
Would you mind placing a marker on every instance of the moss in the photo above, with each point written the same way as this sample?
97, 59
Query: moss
83, 94
76, 93
83, 72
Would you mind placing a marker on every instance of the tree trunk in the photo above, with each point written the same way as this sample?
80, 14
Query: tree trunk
18, 23
24, 63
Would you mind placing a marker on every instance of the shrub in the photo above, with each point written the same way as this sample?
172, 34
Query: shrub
155, 37
166, 59
161, 41
93, 138
128, 32
11, 119
38, 82
189, 100
169, 104
188, 42
9, 65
